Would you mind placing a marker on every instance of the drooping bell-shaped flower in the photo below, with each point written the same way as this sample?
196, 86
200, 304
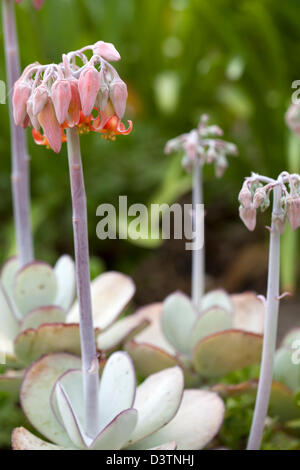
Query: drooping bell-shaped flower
205, 144
90, 97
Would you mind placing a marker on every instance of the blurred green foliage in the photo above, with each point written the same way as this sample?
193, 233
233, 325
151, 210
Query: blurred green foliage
234, 59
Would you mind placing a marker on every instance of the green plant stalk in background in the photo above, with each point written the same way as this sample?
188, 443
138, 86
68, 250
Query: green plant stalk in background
20, 160
289, 239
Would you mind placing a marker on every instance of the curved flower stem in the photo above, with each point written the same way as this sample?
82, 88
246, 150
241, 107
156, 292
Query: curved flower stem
20, 159
198, 262
87, 335
270, 333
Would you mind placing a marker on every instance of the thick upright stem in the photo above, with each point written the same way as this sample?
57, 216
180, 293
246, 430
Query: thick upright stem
198, 260
270, 333
20, 159
88, 348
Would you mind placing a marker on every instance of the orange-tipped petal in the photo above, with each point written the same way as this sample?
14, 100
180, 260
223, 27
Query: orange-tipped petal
61, 97
75, 105
51, 127
88, 86
107, 51
20, 97
118, 96
115, 126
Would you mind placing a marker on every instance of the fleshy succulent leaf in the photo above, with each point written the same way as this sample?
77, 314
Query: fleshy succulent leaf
9, 326
56, 337
120, 332
8, 274
248, 312
115, 435
70, 421
167, 446
210, 321
153, 335
285, 370
178, 317
226, 351
36, 391
117, 387
35, 286
66, 282
149, 359
290, 337
111, 293
42, 315
198, 420
157, 402
25, 440
216, 298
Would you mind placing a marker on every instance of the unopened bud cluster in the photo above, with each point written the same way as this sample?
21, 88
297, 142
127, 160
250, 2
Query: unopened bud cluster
255, 194
203, 143
57, 96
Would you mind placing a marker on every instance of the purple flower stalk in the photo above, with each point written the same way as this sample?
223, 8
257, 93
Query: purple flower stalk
88, 348
20, 159
255, 194
201, 146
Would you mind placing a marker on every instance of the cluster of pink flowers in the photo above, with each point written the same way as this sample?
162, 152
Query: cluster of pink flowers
79, 92
203, 143
36, 3
255, 194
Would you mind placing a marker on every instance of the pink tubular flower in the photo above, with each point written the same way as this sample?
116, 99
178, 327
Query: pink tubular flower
36, 3
90, 97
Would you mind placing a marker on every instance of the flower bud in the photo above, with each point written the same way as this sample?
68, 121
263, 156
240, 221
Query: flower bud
248, 216
39, 99
190, 145
245, 196
61, 97
75, 105
88, 86
118, 96
33, 119
50, 125
293, 211
107, 51
221, 166
259, 197
21, 94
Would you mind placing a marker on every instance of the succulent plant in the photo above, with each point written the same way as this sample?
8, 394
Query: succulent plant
159, 413
225, 335
286, 381
31, 296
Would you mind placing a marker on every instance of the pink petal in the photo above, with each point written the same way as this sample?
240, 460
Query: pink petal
107, 51
39, 99
118, 96
51, 127
75, 105
88, 86
20, 97
33, 119
61, 97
